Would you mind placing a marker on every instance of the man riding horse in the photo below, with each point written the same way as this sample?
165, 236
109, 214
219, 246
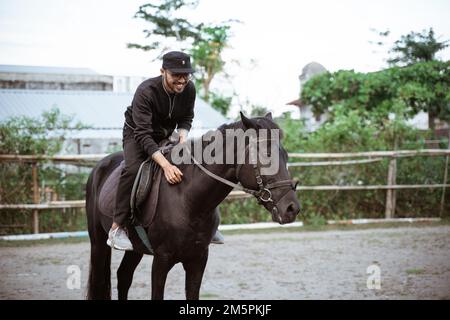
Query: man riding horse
160, 105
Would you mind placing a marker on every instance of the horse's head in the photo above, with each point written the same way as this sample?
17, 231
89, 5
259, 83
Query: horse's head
268, 178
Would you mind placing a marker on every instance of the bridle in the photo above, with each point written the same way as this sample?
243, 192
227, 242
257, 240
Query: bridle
264, 192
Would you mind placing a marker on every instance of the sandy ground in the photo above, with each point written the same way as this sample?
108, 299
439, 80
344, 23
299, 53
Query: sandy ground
412, 263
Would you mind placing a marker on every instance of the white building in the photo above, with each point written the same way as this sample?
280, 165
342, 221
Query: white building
126, 83
312, 122
93, 105
52, 78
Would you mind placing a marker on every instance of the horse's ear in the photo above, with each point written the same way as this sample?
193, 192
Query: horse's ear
248, 123
269, 116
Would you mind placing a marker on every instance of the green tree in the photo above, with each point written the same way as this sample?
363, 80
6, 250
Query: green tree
353, 131
207, 55
258, 111
42, 136
205, 42
220, 102
416, 47
423, 86
38, 136
294, 133
426, 87
163, 24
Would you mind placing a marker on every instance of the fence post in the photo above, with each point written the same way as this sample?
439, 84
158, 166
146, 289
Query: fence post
36, 198
390, 194
441, 211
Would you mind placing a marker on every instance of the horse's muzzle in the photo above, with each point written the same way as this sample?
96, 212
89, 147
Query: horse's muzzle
276, 215
288, 217
286, 209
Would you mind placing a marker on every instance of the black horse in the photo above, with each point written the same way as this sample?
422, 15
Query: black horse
185, 219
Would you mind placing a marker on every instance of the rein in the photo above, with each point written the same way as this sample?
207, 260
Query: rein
263, 194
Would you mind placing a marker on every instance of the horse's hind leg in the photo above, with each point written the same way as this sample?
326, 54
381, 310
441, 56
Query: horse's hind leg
125, 272
194, 274
99, 283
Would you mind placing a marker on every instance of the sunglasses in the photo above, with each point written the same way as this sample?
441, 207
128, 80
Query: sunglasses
186, 76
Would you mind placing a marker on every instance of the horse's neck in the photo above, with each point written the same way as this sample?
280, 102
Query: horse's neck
210, 192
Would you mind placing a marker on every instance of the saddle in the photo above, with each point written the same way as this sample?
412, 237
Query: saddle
143, 185
149, 174
144, 196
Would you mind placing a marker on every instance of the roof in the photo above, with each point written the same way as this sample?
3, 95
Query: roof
310, 70
103, 110
45, 70
296, 102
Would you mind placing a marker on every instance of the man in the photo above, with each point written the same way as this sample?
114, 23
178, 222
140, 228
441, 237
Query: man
159, 106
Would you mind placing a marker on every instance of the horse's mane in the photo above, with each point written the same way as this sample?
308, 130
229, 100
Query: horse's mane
234, 125
260, 123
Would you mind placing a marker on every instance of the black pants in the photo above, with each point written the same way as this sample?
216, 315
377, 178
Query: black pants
134, 155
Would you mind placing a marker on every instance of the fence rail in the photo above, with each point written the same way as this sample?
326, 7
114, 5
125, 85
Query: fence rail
372, 156
368, 154
233, 195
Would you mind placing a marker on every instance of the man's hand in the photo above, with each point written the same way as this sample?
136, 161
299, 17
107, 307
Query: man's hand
172, 173
183, 135
182, 139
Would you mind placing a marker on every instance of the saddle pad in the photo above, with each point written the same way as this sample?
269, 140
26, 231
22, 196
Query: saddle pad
108, 193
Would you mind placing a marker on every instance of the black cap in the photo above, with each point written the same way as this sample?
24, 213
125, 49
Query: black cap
177, 62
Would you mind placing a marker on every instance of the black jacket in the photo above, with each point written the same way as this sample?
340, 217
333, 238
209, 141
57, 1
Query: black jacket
154, 114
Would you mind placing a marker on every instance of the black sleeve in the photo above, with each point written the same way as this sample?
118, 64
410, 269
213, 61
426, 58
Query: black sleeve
185, 122
142, 118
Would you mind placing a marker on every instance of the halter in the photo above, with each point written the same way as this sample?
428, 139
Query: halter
263, 194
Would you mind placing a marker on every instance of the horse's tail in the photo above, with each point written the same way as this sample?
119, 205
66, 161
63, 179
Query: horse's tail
99, 281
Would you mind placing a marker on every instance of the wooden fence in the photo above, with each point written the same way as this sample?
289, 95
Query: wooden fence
368, 157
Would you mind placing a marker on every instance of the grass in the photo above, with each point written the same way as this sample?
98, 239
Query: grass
34, 243
207, 295
47, 261
340, 227
306, 228
415, 271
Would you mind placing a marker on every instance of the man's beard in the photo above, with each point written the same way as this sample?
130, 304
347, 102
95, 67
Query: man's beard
175, 86
178, 86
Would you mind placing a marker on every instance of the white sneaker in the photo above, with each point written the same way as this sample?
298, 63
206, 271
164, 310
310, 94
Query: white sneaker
118, 239
218, 238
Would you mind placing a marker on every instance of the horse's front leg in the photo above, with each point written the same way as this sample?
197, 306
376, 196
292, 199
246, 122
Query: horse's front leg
160, 268
125, 272
194, 274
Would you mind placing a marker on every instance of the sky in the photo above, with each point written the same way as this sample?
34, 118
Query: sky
267, 51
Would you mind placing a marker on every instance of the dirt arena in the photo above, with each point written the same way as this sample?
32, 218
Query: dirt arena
410, 262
